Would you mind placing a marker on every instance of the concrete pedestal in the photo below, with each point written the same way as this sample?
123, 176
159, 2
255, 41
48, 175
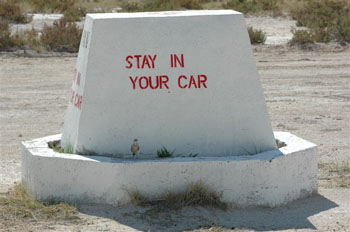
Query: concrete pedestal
270, 178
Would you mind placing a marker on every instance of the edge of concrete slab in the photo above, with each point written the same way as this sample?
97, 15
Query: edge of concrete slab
270, 178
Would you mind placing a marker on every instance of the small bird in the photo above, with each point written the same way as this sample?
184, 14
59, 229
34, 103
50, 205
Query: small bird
135, 148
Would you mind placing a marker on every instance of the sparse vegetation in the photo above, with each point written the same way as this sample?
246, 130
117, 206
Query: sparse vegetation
131, 7
70, 8
326, 20
280, 144
63, 36
271, 7
197, 194
191, 155
164, 153
32, 40
161, 5
17, 205
5, 35
8, 41
138, 199
256, 36
13, 13
56, 146
335, 174
301, 37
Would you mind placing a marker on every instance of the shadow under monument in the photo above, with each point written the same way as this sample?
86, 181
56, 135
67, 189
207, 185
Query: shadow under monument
154, 218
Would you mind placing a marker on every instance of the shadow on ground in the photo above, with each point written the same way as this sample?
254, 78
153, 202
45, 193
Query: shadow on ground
292, 216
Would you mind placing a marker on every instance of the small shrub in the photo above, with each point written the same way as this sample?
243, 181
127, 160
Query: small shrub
32, 39
256, 36
74, 13
56, 146
18, 205
199, 194
5, 35
8, 41
131, 7
63, 36
301, 37
11, 12
164, 153
280, 144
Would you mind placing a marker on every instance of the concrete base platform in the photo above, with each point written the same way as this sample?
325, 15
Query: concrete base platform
267, 179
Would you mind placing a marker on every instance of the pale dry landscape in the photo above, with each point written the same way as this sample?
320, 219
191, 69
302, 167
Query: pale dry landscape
307, 93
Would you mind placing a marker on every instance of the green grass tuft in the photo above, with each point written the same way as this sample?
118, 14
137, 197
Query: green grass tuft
256, 36
164, 153
56, 146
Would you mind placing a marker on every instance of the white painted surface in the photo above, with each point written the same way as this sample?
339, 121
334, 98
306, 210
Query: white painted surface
268, 179
229, 117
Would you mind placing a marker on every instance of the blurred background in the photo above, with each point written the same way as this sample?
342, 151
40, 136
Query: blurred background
56, 25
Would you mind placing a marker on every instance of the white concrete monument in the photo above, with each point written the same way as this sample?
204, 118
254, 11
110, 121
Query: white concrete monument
183, 80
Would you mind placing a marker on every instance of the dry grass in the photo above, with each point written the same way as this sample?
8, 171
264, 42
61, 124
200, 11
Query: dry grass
161, 5
138, 199
335, 175
5, 35
197, 194
260, 7
12, 12
63, 36
70, 8
99, 6
256, 36
17, 206
8, 41
326, 20
301, 37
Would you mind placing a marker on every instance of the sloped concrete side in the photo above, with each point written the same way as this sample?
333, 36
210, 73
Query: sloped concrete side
267, 179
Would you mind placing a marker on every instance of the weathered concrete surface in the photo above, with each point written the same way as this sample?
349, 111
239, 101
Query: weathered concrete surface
211, 103
268, 179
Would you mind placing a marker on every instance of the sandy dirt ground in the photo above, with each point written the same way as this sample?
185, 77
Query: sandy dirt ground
307, 93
